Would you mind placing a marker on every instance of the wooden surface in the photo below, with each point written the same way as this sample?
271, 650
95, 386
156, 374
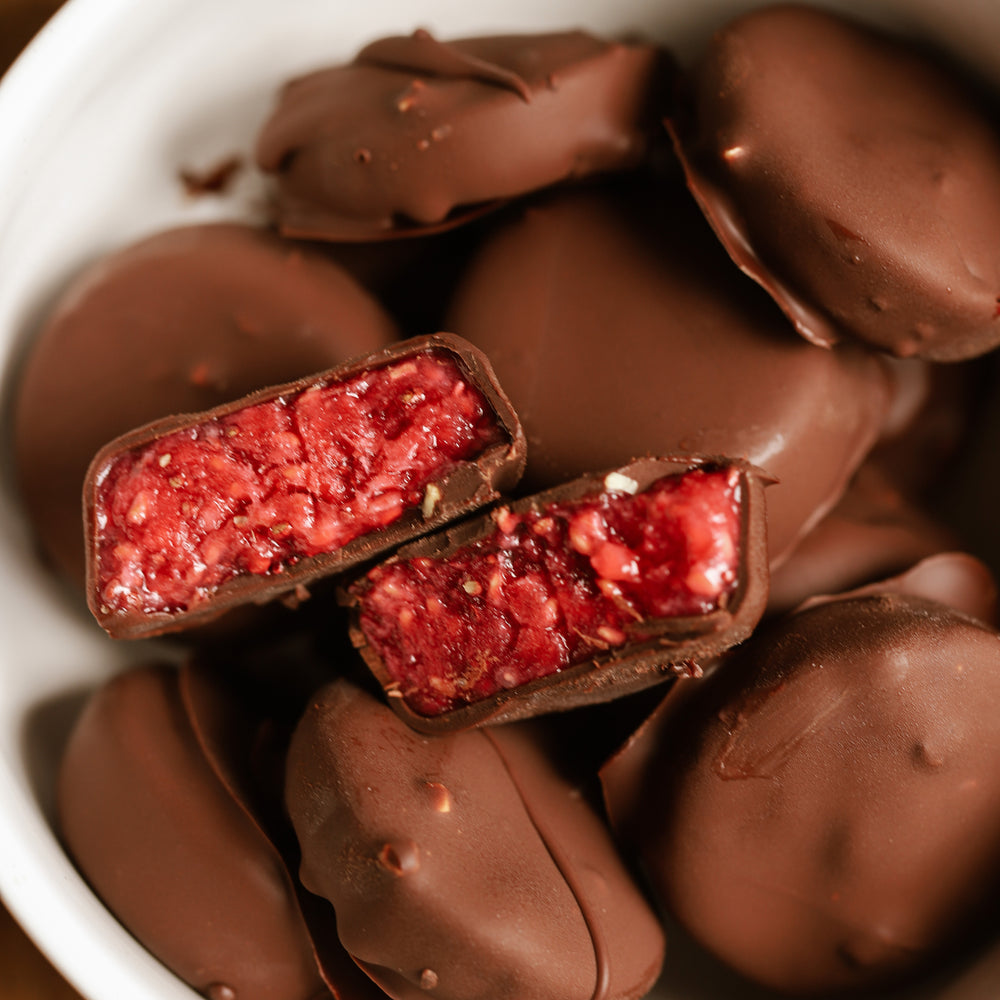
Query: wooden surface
24, 973
19, 20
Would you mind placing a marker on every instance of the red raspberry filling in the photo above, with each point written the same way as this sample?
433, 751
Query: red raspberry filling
256, 490
549, 590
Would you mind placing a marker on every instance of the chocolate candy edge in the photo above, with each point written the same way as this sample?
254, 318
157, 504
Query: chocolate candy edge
468, 487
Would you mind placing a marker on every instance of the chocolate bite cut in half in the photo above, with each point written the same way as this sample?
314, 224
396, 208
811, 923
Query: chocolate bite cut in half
606, 585
193, 515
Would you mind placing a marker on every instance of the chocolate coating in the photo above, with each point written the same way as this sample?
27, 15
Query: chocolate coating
172, 850
853, 178
619, 328
416, 129
466, 487
665, 648
465, 866
179, 322
824, 812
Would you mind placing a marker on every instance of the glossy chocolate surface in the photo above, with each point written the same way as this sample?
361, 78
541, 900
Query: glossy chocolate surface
180, 322
853, 178
823, 812
416, 128
463, 488
463, 866
618, 328
167, 841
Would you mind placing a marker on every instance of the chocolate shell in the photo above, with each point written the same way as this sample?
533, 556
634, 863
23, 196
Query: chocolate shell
853, 178
136, 595
619, 328
417, 134
181, 321
169, 847
823, 812
486, 685
465, 867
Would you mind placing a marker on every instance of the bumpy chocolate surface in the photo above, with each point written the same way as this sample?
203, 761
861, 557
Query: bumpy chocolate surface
182, 321
170, 847
824, 812
651, 649
619, 328
461, 487
416, 128
852, 178
462, 866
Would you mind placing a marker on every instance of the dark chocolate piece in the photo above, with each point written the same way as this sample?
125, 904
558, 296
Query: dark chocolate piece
606, 585
853, 178
823, 812
193, 515
171, 849
181, 321
462, 866
418, 133
619, 328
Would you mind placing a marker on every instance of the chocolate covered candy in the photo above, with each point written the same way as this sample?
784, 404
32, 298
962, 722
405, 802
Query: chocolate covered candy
175, 853
193, 515
824, 812
619, 328
181, 321
465, 867
416, 133
851, 176
606, 585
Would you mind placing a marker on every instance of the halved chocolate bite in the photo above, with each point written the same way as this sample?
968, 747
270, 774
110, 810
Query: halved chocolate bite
191, 516
823, 814
466, 866
606, 585
416, 134
853, 177
149, 815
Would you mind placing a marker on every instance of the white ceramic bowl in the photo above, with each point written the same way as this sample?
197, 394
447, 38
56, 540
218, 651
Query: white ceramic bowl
96, 118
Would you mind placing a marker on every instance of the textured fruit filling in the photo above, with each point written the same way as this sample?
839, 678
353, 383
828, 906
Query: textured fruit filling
550, 589
257, 490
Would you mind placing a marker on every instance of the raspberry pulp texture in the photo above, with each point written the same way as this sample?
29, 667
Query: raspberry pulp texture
553, 587
260, 488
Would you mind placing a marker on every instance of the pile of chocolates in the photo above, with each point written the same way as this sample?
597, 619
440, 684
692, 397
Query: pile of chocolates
621, 605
